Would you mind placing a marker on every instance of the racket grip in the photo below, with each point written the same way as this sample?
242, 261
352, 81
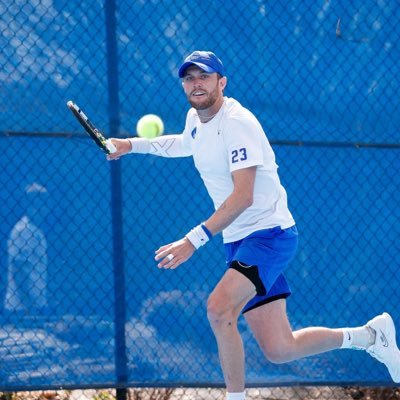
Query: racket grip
110, 146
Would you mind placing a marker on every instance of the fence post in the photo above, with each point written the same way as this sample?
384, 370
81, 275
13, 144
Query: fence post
116, 204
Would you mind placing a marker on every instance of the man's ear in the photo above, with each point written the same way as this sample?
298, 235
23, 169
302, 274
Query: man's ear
222, 82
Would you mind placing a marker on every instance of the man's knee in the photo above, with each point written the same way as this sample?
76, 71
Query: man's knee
277, 354
219, 311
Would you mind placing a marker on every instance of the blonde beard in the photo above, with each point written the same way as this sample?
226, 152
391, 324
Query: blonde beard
209, 102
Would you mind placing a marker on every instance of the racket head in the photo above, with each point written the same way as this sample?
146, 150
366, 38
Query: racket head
92, 131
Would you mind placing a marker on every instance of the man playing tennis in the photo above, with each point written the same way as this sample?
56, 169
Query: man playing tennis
237, 165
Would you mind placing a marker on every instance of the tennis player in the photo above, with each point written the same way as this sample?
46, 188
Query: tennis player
237, 165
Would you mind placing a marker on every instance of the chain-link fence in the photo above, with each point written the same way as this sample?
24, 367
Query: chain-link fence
82, 303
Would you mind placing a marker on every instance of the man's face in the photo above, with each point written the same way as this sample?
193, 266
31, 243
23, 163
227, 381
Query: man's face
202, 89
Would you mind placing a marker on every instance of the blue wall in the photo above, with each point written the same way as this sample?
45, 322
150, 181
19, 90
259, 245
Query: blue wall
345, 201
283, 60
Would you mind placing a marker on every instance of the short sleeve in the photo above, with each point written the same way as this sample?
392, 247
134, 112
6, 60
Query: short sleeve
243, 141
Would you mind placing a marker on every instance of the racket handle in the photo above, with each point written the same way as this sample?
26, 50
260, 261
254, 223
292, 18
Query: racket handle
110, 146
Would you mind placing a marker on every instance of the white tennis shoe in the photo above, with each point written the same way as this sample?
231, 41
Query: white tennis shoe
385, 348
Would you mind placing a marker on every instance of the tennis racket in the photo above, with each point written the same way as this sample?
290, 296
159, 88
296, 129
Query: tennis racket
93, 132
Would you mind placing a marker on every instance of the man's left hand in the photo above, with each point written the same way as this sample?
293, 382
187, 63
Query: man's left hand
174, 254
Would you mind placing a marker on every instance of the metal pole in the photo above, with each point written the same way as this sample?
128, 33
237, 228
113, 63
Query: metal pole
116, 203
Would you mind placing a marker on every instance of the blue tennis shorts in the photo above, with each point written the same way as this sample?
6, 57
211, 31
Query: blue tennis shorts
270, 251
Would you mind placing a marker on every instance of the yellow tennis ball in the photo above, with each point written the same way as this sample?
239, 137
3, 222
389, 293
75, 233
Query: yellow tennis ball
150, 126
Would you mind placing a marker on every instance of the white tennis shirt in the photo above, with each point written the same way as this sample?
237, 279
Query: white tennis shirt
232, 140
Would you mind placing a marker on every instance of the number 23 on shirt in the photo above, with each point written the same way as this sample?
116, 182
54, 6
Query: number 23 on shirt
239, 155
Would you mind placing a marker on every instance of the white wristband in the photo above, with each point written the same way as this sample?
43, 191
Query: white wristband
199, 236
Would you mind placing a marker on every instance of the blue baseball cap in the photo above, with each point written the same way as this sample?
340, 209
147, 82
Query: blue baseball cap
206, 60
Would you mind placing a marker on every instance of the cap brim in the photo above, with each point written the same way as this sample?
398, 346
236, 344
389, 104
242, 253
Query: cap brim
186, 65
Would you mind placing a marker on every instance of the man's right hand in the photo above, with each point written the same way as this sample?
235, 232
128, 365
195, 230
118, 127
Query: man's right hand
123, 147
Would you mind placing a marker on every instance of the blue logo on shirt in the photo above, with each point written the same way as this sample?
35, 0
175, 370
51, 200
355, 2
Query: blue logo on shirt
194, 132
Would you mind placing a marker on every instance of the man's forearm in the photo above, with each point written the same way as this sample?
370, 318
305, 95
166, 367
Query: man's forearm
164, 146
229, 210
